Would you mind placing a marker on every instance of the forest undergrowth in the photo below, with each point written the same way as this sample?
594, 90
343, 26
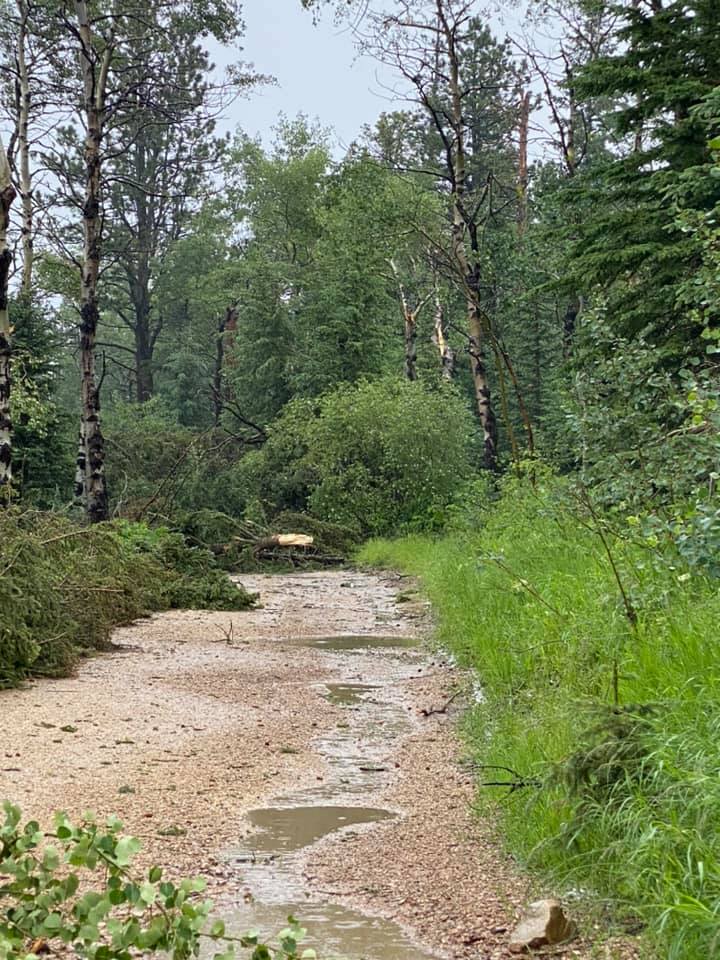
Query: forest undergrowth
596, 648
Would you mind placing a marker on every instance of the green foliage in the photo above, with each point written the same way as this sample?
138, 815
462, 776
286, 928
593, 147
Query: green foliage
44, 440
664, 79
75, 889
164, 471
611, 726
647, 434
194, 580
377, 457
63, 588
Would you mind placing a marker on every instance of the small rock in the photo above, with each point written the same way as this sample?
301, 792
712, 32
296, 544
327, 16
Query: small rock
543, 925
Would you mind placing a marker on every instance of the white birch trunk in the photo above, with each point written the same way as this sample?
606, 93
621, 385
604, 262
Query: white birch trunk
7, 195
23, 148
91, 455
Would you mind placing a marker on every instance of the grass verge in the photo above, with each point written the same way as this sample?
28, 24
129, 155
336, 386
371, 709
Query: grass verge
613, 726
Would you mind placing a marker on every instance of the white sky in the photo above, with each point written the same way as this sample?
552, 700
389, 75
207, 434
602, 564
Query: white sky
317, 70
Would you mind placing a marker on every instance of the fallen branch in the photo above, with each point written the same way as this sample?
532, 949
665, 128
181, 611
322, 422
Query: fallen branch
444, 709
519, 783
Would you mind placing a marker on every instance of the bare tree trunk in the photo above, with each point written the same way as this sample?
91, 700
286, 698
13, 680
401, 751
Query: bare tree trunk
410, 348
523, 164
91, 457
439, 337
7, 195
227, 333
144, 377
462, 221
22, 107
410, 320
569, 321
478, 367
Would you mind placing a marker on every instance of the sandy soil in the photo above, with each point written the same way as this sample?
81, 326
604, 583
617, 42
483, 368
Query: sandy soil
196, 718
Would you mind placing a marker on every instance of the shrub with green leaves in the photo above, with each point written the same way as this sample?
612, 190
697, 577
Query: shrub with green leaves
376, 457
75, 889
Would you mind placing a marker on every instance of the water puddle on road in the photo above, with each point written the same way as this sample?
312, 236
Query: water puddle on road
287, 829
348, 694
271, 859
349, 644
273, 877
336, 932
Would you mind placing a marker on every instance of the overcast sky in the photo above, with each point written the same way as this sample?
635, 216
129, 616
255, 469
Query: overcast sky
317, 71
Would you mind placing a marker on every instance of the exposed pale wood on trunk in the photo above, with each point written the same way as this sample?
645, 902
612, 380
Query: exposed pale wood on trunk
410, 321
462, 225
440, 339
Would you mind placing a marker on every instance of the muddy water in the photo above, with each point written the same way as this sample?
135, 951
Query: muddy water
350, 643
286, 829
270, 858
347, 694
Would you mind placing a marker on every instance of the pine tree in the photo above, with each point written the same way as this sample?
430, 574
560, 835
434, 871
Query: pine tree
630, 243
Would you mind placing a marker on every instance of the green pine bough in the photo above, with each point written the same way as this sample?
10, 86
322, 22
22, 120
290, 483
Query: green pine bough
75, 889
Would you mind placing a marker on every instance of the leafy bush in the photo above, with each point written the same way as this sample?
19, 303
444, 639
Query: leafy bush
374, 458
74, 890
648, 431
63, 588
613, 727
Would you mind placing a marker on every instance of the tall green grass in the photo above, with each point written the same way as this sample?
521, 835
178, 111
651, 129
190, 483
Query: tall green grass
619, 725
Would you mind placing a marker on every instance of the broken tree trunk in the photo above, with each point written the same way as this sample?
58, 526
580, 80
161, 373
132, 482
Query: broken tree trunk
464, 229
7, 195
410, 321
440, 339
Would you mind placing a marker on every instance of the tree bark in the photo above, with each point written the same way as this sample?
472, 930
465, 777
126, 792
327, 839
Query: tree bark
145, 380
91, 486
569, 322
410, 321
227, 333
462, 222
410, 347
523, 164
22, 107
7, 195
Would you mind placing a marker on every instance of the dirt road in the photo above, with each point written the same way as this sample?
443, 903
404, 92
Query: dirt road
291, 754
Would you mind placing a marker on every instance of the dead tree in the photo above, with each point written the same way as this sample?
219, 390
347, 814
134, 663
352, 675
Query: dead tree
411, 315
442, 343
95, 59
424, 43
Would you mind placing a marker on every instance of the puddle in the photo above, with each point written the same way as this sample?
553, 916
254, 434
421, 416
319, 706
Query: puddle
274, 879
337, 933
287, 829
347, 694
349, 643
271, 861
